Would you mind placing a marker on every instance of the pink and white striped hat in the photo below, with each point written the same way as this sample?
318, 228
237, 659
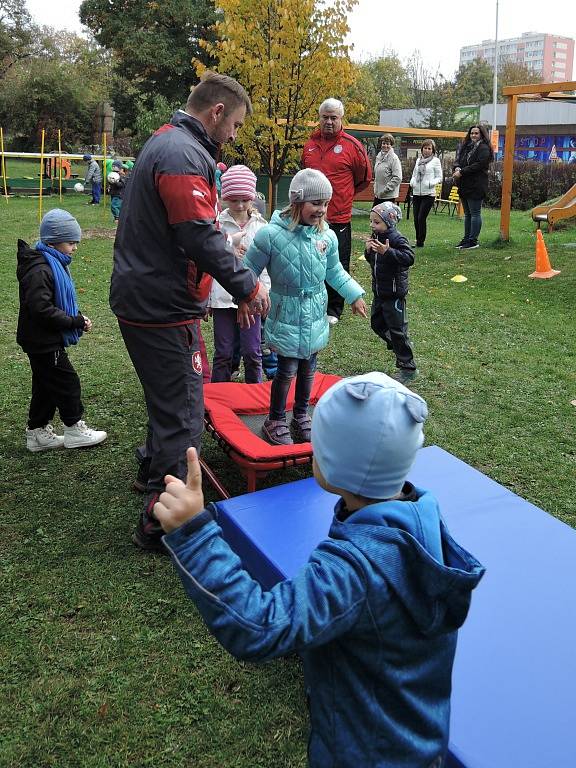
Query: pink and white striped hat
238, 181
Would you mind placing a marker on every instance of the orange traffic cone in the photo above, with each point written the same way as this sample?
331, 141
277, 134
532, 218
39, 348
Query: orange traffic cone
543, 267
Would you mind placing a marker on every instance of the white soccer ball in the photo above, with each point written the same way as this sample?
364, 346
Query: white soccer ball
113, 177
78, 187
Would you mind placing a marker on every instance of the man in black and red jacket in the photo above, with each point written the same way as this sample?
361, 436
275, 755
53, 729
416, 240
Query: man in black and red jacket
167, 250
344, 160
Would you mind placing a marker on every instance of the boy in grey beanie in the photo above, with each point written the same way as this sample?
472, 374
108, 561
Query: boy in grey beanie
49, 321
375, 611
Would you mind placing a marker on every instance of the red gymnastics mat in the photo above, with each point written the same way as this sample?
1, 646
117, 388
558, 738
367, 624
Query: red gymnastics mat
234, 414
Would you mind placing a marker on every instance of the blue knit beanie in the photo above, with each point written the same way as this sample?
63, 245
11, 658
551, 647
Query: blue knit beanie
59, 226
86, 157
365, 433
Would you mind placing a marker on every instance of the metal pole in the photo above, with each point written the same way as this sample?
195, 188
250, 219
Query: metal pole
495, 85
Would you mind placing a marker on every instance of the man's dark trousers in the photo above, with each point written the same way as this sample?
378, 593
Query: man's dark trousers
168, 364
344, 234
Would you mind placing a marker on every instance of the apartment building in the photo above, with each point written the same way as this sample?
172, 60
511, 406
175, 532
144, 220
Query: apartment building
550, 56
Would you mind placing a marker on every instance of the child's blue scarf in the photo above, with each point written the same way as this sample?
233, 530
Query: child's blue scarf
64, 290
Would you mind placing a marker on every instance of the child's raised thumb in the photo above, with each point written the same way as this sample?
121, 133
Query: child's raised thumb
194, 477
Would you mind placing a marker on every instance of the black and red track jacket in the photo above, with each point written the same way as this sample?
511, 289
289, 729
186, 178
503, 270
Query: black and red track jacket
167, 247
344, 160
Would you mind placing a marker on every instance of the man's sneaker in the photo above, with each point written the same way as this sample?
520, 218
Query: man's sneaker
43, 439
332, 320
148, 533
301, 428
80, 435
470, 246
277, 432
462, 243
405, 375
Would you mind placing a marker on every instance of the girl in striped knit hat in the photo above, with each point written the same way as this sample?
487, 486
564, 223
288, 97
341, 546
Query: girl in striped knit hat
240, 221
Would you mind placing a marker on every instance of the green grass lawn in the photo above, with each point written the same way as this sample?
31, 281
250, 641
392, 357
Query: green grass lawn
103, 660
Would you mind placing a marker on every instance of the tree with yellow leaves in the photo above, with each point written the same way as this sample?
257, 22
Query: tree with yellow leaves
290, 55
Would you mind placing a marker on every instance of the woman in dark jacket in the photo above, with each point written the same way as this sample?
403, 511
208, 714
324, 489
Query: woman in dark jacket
471, 176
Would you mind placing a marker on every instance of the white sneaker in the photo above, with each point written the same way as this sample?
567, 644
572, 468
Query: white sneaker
332, 320
80, 435
43, 439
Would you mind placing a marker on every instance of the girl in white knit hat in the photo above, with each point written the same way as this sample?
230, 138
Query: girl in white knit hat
300, 252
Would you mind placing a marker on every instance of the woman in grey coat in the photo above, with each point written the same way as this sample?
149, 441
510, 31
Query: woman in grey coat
387, 172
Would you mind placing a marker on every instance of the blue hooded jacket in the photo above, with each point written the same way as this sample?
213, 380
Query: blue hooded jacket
374, 615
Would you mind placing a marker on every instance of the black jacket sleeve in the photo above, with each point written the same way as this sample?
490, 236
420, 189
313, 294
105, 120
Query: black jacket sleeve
208, 248
401, 252
38, 291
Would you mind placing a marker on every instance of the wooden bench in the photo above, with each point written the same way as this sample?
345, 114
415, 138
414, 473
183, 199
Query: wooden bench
404, 197
449, 204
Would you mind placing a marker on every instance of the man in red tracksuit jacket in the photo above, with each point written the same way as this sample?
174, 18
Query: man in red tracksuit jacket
344, 160
166, 251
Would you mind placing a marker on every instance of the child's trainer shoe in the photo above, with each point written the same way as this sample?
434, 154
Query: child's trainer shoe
301, 428
277, 432
80, 435
43, 439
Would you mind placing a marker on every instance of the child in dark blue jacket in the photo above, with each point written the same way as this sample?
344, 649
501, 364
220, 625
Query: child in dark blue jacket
390, 256
375, 611
48, 322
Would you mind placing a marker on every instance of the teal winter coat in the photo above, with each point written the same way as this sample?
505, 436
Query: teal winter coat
299, 261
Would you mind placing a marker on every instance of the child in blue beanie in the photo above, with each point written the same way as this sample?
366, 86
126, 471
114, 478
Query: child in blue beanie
48, 322
390, 256
375, 612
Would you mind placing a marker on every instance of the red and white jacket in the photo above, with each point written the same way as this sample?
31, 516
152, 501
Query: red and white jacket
167, 248
343, 159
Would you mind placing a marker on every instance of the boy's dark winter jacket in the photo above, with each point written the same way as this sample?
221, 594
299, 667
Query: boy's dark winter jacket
390, 270
40, 321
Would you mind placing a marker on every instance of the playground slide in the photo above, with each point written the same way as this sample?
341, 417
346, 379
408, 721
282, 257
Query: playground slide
564, 208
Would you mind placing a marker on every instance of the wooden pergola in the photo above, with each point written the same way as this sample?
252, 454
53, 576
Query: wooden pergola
540, 92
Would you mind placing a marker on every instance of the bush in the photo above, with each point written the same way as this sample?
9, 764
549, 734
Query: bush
532, 183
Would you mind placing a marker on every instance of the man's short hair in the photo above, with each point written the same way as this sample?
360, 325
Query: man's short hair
333, 105
214, 88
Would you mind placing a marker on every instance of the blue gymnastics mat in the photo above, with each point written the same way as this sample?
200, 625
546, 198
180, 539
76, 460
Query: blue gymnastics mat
514, 682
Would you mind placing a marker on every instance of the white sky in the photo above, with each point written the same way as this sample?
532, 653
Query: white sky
437, 28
